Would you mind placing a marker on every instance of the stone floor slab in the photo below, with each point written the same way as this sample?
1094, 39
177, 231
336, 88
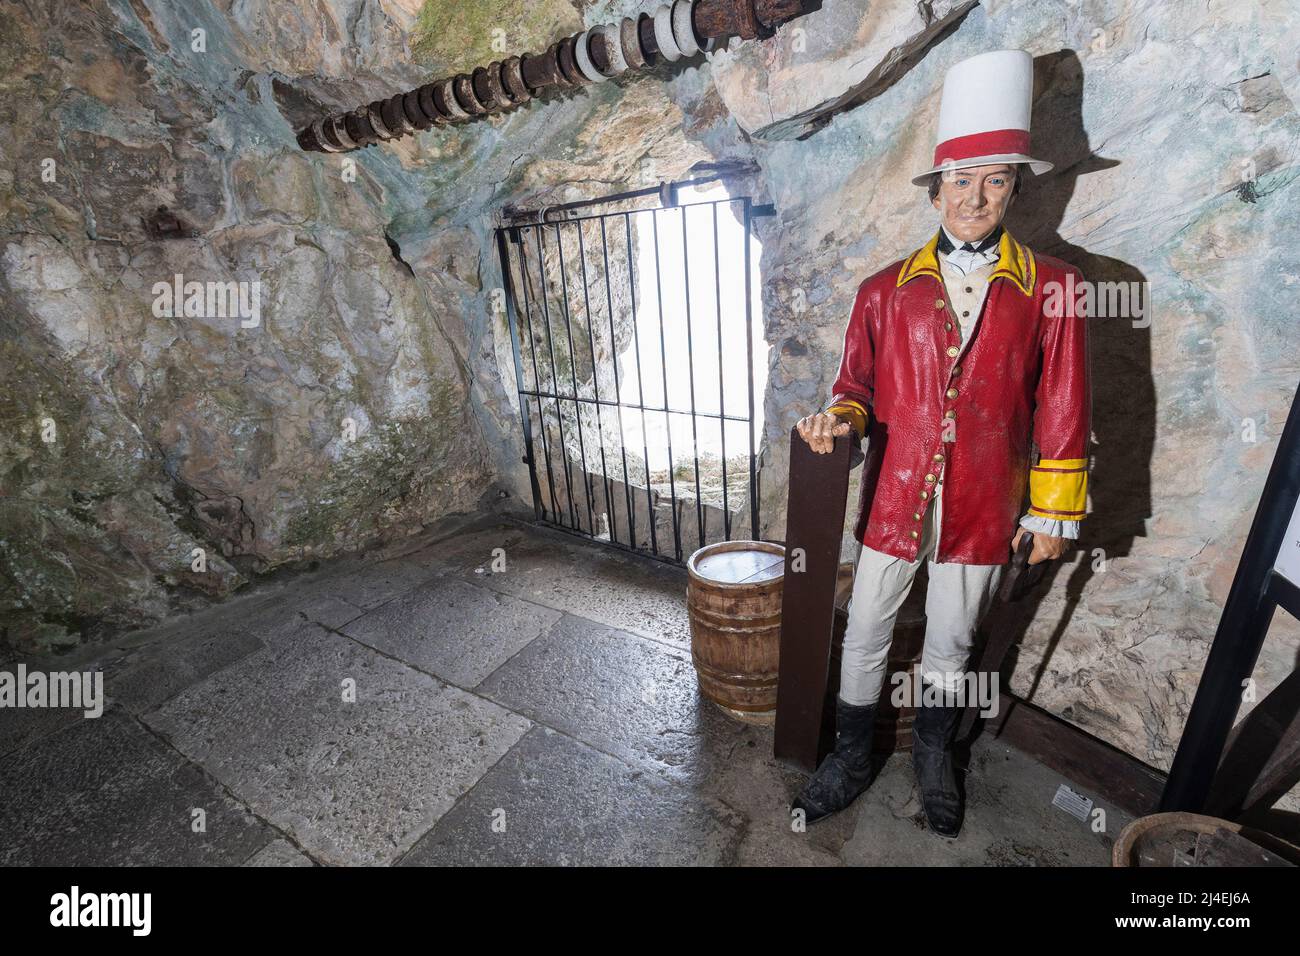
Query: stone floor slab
569, 574
1010, 820
279, 853
106, 792
20, 726
455, 630
352, 783
150, 675
367, 584
552, 801
620, 693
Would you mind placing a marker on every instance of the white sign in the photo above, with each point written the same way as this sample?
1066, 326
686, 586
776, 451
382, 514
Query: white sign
1075, 804
1288, 557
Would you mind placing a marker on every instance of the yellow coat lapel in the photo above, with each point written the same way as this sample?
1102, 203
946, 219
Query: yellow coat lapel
1015, 261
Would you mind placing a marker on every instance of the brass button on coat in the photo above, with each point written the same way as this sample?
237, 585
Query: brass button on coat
930, 478
952, 393
915, 535
956, 370
938, 457
916, 515
924, 495
938, 303
952, 351
947, 326
950, 414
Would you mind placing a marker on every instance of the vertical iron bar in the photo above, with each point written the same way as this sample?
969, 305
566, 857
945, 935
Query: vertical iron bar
640, 387
663, 365
503, 252
573, 375
618, 385
690, 367
749, 359
555, 375
722, 391
595, 381
537, 378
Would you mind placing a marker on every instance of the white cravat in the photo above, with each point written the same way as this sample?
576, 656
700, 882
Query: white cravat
965, 260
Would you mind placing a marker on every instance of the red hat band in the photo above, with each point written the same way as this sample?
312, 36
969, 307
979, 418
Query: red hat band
993, 143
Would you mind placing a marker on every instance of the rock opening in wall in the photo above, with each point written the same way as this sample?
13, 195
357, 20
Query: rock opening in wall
696, 350
644, 367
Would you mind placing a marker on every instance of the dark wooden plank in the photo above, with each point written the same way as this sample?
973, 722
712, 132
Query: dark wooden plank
1093, 764
814, 524
1285, 594
1261, 761
1224, 847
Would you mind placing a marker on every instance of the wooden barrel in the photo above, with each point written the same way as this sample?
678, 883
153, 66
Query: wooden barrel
1180, 839
734, 602
893, 724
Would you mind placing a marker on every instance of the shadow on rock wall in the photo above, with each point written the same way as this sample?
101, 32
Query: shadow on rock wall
1123, 387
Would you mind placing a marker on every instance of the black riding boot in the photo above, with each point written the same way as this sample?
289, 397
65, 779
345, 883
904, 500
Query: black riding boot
847, 770
932, 759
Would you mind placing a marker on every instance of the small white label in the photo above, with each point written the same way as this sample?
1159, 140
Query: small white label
1075, 804
1288, 556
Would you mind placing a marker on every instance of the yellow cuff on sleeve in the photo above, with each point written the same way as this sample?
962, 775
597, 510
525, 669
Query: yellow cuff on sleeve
854, 412
1058, 488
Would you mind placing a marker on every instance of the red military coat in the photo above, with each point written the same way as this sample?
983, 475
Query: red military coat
928, 414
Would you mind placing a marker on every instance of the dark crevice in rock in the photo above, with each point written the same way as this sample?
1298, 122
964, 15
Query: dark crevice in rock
396, 250
891, 69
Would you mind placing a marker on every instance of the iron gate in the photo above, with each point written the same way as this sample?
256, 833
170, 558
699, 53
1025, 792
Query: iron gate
594, 420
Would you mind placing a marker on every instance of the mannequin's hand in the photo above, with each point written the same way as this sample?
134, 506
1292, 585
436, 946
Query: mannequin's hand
821, 430
1046, 546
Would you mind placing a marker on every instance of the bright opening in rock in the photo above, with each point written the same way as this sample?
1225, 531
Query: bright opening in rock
691, 345
644, 365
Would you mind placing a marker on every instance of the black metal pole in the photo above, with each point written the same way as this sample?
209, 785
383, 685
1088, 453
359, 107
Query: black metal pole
555, 375
573, 376
749, 359
618, 385
537, 378
722, 391
595, 382
503, 252
663, 367
518, 216
1241, 632
564, 396
690, 370
640, 388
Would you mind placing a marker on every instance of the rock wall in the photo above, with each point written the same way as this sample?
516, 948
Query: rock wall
1174, 131
155, 455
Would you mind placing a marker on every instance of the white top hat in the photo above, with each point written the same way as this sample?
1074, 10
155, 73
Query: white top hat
984, 116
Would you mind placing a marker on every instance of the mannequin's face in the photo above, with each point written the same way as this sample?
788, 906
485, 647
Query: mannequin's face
971, 202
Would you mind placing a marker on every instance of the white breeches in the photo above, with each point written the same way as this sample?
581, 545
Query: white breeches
957, 598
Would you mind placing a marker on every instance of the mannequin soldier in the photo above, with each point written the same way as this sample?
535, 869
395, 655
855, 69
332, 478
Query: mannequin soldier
957, 361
